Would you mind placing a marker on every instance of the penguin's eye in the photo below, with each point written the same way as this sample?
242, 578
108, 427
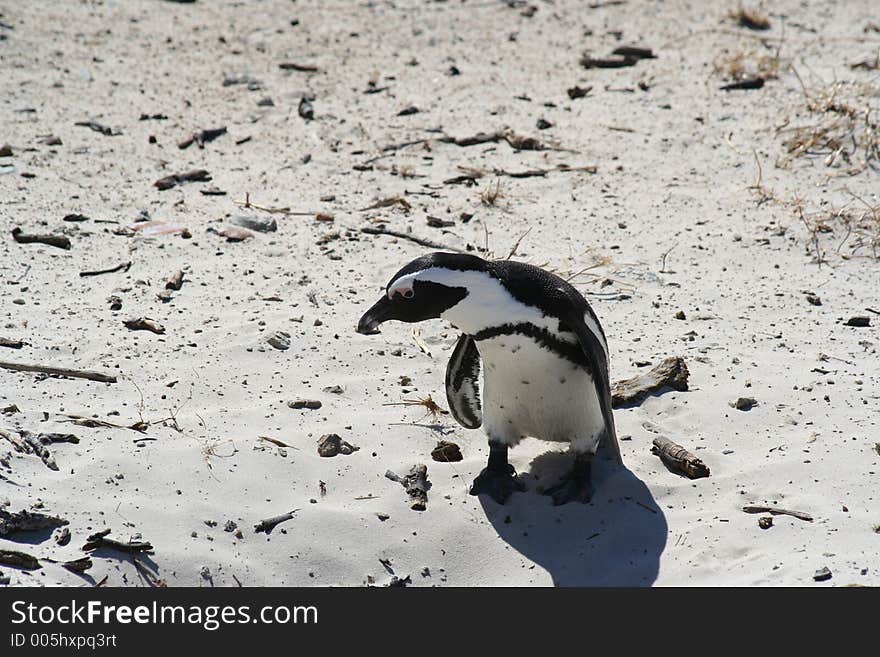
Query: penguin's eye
408, 294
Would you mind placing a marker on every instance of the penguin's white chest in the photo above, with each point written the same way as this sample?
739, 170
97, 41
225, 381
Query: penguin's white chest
531, 391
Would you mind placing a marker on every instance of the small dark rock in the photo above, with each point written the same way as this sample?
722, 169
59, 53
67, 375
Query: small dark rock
765, 522
446, 452
859, 320
305, 109
823, 574
331, 444
744, 403
543, 124
814, 300
680, 315
578, 92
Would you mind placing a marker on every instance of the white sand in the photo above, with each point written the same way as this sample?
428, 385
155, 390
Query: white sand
677, 178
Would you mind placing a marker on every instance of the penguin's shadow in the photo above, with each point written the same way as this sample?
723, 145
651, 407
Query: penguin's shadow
615, 540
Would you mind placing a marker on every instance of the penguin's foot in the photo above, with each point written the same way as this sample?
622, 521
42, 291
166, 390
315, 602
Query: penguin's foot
574, 487
497, 483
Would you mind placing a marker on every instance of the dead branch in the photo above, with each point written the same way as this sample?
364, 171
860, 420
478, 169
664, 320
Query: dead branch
677, 458
416, 485
776, 511
59, 371
266, 526
202, 137
672, 372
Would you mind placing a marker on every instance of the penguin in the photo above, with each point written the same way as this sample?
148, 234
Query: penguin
543, 354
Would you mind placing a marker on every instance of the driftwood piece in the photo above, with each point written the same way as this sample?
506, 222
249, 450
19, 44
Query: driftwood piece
122, 266
776, 511
151, 577
59, 371
40, 450
27, 521
196, 175
202, 137
53, 438
672, 372
100, 540
78, 565
17, 443
679, 459
266, 526
175, 281
378, 230
18, 559
144, 324
11, 343
59, 241
416, 485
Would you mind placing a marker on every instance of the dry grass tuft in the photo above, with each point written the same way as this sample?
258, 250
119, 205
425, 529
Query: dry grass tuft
842, 126
850, 230
743, 65
492, 194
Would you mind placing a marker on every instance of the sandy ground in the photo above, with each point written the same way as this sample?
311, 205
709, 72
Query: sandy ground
672, 220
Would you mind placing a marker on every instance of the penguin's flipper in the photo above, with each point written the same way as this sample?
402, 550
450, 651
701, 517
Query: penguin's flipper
593, 344
462, 383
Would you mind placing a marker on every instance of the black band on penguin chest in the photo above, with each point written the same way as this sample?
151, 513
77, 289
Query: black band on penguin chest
570, 351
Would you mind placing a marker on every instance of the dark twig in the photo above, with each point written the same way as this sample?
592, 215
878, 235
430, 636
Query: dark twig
376, 230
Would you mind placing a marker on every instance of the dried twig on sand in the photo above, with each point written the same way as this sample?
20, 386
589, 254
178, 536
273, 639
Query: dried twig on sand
266, 526
672, 372
122, 266
679, 459
776, 511
379, 230
91, 422
416, 485
59, 371
59, 241
432, 408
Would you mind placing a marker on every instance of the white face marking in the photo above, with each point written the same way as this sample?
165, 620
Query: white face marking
487, 304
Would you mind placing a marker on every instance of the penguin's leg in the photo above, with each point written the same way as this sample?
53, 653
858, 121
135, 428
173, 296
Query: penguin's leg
498, 478
576, 484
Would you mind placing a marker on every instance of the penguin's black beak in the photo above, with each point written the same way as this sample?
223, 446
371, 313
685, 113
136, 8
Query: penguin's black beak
381, 311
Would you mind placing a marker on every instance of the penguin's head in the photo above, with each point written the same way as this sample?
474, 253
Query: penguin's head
423, 289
